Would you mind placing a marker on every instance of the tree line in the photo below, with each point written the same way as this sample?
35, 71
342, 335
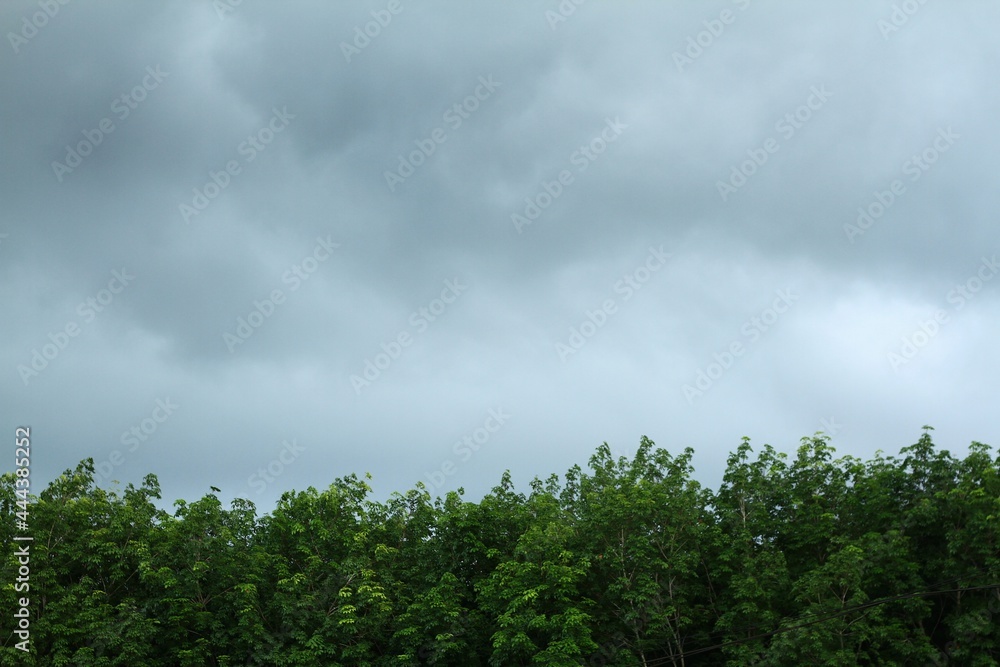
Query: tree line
794, 560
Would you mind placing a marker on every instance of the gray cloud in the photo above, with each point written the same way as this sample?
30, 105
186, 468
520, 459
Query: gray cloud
818, 109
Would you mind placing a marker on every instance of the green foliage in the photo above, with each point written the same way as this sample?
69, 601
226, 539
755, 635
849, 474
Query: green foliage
808, 559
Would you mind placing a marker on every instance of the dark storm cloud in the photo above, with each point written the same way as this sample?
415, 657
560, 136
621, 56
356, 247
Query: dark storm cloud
307, 179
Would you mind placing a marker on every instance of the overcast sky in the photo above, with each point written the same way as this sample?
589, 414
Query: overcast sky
437, 241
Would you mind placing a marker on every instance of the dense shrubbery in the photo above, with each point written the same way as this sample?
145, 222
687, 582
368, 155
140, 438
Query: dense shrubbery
812, 561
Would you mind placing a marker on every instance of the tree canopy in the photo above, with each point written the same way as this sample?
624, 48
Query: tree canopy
797, 560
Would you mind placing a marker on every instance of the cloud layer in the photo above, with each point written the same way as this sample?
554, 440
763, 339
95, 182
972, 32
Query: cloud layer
437, 242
